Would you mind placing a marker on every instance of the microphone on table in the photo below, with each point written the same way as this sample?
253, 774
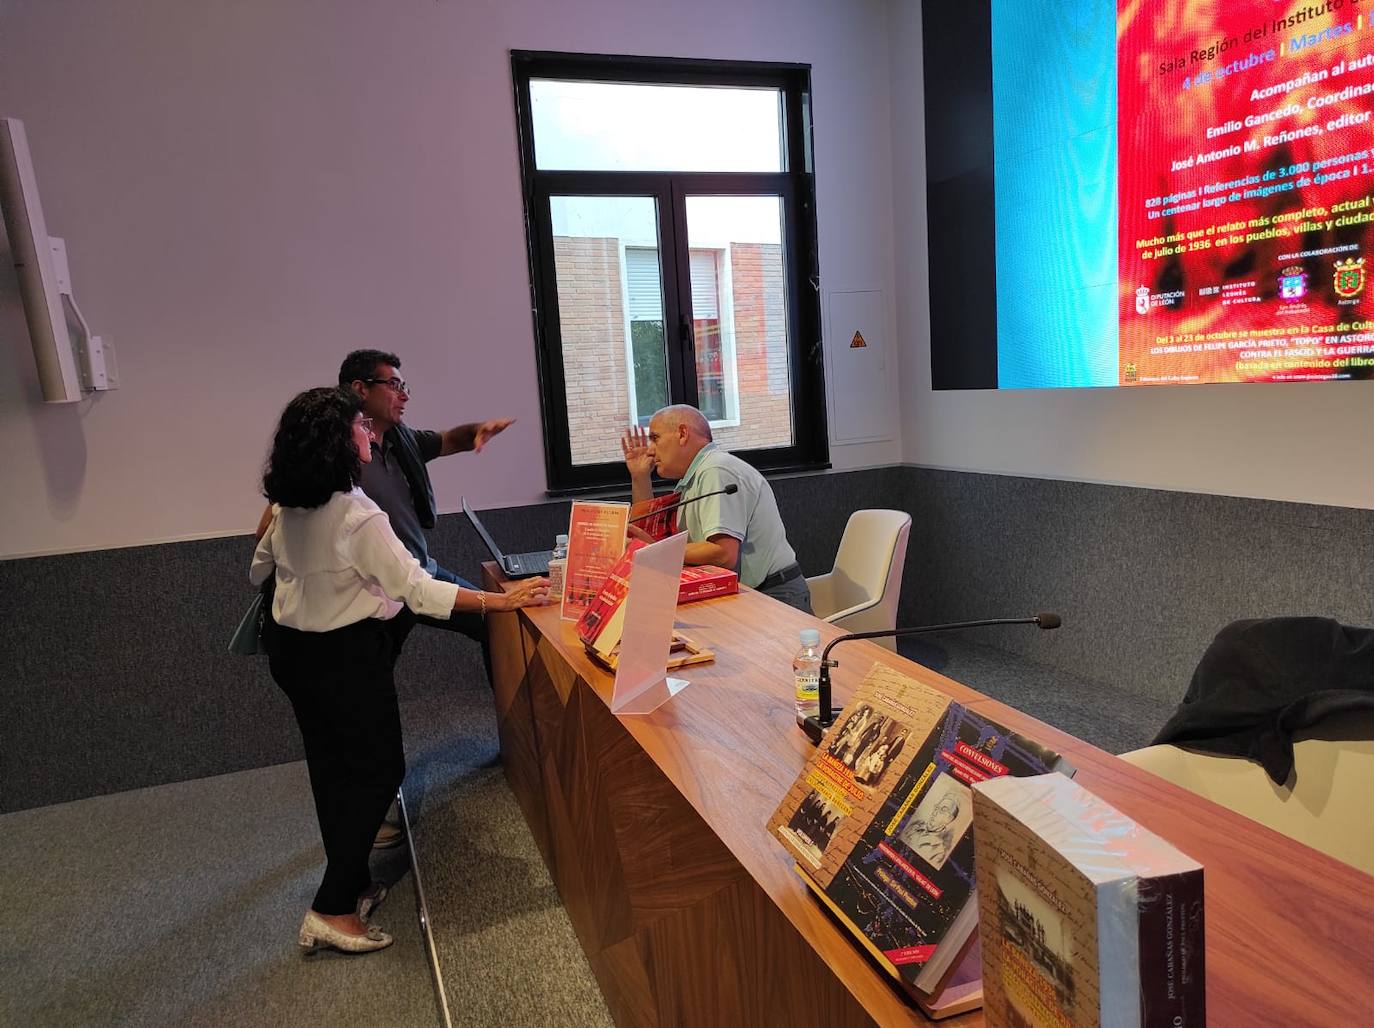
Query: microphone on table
815, 726
729, 490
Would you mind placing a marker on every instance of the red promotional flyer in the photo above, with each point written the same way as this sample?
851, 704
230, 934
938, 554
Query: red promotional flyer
1246, 150
596, 539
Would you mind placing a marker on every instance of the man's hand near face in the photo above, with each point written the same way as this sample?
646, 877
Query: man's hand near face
639, 459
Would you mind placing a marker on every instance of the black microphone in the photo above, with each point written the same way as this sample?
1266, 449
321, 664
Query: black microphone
815, 726
729, 490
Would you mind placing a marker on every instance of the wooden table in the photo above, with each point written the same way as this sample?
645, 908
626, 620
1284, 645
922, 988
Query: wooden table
690, 913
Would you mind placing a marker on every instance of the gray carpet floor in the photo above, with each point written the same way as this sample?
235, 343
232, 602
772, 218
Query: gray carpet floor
180, 904
506, 948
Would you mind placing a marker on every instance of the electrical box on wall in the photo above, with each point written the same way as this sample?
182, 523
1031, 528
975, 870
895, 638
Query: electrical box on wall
859, 383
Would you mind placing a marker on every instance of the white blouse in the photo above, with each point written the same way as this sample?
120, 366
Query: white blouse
341, 562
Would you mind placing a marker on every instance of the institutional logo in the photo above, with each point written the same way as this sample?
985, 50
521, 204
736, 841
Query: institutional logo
1292, 283
1132, 374
1349, 278
1142, 300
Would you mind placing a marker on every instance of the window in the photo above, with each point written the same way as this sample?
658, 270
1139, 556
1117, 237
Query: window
671, 227
644, 292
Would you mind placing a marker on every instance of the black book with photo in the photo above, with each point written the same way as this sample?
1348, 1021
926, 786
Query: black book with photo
908, 884
880, 820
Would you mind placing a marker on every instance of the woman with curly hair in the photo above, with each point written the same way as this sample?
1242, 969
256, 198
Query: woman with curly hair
342, 577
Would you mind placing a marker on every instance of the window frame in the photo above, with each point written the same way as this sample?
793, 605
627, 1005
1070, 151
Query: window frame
795, 189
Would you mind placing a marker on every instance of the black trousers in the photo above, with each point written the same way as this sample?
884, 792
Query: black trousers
342, 689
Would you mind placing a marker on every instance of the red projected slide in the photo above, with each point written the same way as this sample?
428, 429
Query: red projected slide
1246, 151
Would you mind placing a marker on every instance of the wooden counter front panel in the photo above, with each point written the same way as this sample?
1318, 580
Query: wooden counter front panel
508, 637
676, 931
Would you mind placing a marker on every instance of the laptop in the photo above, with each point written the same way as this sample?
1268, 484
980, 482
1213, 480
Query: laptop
515, 565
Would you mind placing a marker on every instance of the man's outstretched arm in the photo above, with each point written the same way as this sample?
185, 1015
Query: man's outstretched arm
472, 437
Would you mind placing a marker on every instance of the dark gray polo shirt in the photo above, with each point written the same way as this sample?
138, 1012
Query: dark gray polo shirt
384, 481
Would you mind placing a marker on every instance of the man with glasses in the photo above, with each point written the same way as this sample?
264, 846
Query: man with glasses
396, 479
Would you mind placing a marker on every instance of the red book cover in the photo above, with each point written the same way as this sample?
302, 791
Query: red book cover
658, 524
602, 609
704, 581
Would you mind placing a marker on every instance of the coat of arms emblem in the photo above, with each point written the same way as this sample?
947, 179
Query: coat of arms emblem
1349, 279
1292, 283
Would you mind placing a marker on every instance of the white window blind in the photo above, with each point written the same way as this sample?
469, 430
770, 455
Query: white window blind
643, 283
705, 295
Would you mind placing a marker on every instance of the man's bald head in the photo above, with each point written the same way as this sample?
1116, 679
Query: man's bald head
682, 414
676, 436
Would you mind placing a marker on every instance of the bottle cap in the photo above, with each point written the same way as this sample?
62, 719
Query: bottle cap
561, 540
810, 636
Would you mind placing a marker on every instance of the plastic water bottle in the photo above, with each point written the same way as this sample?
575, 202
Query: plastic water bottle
806, 674
558, 565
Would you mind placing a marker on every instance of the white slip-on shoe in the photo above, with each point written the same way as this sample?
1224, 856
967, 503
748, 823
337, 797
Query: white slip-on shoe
316, 933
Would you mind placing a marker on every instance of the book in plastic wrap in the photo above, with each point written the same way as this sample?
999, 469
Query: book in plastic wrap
603, 622
603, 616
1086, 918
600, 624
881, 820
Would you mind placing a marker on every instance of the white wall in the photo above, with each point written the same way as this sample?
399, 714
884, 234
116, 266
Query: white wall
1301, 442
250, 190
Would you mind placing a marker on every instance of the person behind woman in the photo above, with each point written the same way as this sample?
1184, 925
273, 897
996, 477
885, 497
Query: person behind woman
342, 577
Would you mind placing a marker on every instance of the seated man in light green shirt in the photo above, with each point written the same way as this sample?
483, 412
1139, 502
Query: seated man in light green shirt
741, 531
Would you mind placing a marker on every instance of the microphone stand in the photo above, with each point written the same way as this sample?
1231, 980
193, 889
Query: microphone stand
729, 490
815, 726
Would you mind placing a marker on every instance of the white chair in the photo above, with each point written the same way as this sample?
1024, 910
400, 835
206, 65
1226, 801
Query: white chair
860, 594
1325, 805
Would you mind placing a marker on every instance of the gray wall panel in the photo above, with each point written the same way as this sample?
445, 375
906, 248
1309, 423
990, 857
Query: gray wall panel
1143, 578
115, 674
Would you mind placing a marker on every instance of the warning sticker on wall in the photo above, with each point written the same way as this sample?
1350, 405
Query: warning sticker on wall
857, 342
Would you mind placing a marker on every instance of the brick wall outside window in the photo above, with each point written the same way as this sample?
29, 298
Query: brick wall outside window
591, 311
592, 315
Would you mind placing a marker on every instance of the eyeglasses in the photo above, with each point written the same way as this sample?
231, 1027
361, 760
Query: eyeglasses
366, 424
397, 385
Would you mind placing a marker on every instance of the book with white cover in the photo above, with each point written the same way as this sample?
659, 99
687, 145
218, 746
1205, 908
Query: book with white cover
1085, 917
